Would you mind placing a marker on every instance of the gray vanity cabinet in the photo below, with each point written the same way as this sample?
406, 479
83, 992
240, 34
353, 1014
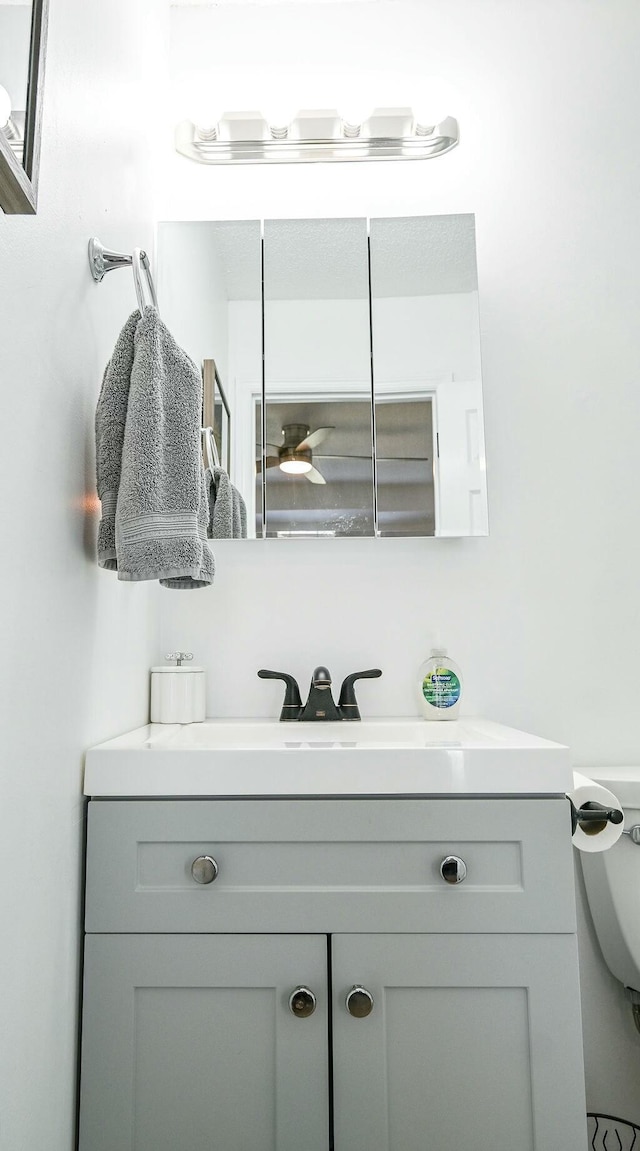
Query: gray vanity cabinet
468, 1044
446, 1015
189, 1043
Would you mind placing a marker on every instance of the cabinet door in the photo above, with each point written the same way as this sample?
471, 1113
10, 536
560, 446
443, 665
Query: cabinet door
189, 1043
473, 1042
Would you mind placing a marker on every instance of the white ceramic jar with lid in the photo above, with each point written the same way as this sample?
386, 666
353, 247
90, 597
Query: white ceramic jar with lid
177, 691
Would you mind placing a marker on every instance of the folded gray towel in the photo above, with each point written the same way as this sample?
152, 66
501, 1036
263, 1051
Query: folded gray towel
227, 509
162, 508
111, 415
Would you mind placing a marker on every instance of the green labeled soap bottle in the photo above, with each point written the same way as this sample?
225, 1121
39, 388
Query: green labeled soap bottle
440, 686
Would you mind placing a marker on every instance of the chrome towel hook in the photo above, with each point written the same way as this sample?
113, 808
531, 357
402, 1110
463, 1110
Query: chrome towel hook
140, 261
102, 260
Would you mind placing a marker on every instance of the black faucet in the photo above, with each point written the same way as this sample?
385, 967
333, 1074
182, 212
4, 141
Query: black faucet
320, 705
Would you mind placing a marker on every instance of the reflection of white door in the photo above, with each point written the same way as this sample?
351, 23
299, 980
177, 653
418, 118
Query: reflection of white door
461, 507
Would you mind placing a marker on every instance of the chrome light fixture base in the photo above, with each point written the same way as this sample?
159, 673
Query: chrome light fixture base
206, 147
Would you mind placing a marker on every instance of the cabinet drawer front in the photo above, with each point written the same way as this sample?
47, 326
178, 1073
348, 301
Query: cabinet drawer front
328, 865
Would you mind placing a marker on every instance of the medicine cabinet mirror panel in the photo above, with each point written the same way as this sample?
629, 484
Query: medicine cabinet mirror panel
431, 474
364, 415
210, 295
318, 475
22, 50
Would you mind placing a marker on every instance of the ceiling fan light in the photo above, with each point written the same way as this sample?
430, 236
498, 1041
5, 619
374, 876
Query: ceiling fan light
295, 467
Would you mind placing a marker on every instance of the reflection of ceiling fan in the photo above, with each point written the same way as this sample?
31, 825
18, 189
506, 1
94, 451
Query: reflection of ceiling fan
295, 455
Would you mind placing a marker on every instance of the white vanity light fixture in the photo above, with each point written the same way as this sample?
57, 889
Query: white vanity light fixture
317, 134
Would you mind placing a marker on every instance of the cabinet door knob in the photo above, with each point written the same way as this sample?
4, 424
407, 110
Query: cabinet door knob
359, 1002
302, 1002
204, 869
453, 869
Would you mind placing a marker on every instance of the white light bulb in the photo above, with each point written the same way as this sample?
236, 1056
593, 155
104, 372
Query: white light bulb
202, 116
5, 107
354, 113
355, 95
434, 101
278, 114
295, 467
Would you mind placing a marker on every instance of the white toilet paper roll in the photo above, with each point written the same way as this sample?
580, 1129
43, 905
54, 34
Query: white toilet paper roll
587, 791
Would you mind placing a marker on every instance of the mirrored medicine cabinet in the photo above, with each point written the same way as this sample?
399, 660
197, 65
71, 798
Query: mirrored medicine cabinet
341, 361
23, 33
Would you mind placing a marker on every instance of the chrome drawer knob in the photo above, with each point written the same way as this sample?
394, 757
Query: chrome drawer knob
204, 869
453, 869
302, 1002
359, 1002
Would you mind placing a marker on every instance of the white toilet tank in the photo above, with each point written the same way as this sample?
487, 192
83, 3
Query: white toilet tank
612, 880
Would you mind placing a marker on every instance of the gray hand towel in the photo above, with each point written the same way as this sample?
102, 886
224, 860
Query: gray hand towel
162, 509
111, 414
239, 515
227, 509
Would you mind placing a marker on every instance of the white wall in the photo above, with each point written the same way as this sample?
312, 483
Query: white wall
556, 221
75, 644
543, 616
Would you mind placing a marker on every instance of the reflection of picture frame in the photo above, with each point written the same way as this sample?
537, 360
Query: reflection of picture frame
216, 413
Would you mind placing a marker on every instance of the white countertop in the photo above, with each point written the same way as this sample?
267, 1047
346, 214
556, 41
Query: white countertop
468, 756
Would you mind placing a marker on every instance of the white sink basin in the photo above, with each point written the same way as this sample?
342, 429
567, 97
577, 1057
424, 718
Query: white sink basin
373, 757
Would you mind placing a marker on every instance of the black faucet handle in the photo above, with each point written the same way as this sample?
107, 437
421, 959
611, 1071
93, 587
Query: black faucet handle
347, 704
292, 705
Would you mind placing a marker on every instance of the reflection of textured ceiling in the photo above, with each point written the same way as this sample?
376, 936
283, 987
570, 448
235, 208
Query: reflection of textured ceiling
237, 243
327, 259
410, 256
315, 260
423, 255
